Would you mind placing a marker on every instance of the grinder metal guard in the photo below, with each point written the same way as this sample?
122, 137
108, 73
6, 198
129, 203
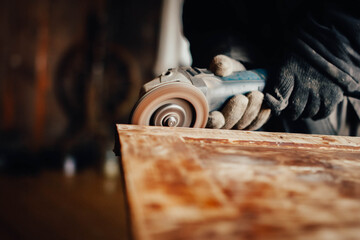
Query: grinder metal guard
183, 97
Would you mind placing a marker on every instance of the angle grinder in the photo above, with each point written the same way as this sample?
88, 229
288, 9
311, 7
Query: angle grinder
184, 96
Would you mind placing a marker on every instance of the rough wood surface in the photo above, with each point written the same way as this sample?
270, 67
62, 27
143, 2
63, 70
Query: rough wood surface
218, 184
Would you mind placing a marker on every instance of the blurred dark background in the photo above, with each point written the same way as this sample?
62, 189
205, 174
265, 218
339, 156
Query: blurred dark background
70, 70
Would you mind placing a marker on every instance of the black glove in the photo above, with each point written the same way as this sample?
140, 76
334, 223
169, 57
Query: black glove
300, 91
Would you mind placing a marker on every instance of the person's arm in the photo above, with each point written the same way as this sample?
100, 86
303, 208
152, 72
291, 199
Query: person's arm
213, 36
322, 65
331, 42
207, 30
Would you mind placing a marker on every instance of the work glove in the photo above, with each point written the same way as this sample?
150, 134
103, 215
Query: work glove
299, 91
240, 112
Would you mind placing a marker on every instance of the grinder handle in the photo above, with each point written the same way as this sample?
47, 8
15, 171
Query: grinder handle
255, 74
237, 83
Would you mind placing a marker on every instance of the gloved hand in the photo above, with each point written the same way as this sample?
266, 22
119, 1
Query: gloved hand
222, 65
301, 91
240, 112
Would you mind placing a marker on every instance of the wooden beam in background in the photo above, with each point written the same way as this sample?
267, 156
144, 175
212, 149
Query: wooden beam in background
41, 74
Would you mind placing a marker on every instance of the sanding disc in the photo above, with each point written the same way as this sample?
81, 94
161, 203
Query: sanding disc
173, 104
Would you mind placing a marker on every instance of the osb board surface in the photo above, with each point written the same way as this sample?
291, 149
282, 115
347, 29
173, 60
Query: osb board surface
219, 184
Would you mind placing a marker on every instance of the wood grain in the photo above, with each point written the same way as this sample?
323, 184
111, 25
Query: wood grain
219, 184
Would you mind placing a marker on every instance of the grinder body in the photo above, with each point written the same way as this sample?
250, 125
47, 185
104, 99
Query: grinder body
184, 96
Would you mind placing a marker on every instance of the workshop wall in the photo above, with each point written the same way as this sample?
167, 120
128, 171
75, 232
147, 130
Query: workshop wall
68, 71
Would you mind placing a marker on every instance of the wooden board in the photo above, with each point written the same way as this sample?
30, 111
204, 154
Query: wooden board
220, 184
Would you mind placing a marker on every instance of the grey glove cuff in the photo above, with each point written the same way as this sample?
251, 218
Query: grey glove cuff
331, 44
300, 90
